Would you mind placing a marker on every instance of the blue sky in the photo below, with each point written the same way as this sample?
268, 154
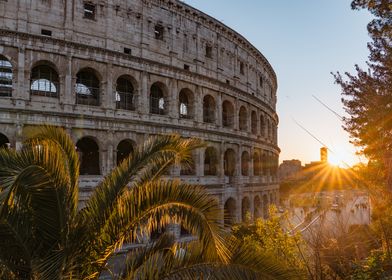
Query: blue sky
304, 40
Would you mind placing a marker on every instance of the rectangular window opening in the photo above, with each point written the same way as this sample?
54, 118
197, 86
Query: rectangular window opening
46, 32
159, 29
242, 68
208, 51
89, 11
127, 51
186, 67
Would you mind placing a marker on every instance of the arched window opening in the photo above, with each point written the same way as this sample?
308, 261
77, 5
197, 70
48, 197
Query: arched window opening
44, 81
256, 164
245, 210
229, 162
254, 122
4, 142
230, 209
210, 162
185, 104
262, 126
257, 208
88, 151
245, 164
6, 76
265, 206
124, 149
157, 100
87, 88
125, 97
243, 119
227, 114
208, 109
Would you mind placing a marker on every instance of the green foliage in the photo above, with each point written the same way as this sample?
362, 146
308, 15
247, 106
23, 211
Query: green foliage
270, 236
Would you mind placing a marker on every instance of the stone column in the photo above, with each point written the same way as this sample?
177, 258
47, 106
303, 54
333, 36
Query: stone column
198, 105
251, 162
19, 136
109, 92
173, 99
69, 83
236, 115
144, 94
199, 161
21, 92
221, 158
218, 113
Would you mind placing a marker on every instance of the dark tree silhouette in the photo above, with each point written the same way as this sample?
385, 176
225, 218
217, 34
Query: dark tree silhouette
367, 94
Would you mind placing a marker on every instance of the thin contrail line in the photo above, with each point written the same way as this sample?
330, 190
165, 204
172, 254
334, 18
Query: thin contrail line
311, 134
326, 106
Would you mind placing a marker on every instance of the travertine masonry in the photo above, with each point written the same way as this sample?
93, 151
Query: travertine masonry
115, 72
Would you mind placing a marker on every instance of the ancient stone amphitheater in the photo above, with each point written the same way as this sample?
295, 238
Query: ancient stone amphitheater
113, 73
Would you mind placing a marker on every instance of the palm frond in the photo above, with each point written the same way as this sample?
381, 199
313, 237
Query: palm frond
157, 204
62, 141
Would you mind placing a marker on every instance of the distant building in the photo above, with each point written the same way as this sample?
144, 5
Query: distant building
324, 154
289, 169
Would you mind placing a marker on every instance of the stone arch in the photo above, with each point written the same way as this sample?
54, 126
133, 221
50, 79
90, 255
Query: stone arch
256, 164
88, 151
44, 79
257, 211
158, 99
230, 209
125, 93
229, 162
87, 87
265, 206
227, 114
185, 103
4, 141
6, 77
124, 149
243, 118
245, 164
209, 109
245, 209
253, 120
210, 162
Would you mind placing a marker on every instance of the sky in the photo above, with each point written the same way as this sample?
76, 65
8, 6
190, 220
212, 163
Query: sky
304, 40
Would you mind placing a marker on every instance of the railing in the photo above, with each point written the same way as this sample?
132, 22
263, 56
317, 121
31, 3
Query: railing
5, 90
90, 98
126, 101
157, 106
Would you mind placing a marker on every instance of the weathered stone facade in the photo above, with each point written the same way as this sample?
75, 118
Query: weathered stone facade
116, 70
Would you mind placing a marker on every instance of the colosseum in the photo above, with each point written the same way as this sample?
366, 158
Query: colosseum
115, 72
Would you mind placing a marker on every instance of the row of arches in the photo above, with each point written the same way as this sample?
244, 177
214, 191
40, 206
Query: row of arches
248, 209
45, 81
89, 154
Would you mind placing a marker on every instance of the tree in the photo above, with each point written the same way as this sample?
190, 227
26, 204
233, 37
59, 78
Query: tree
44, 234
271, 236
367, 94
